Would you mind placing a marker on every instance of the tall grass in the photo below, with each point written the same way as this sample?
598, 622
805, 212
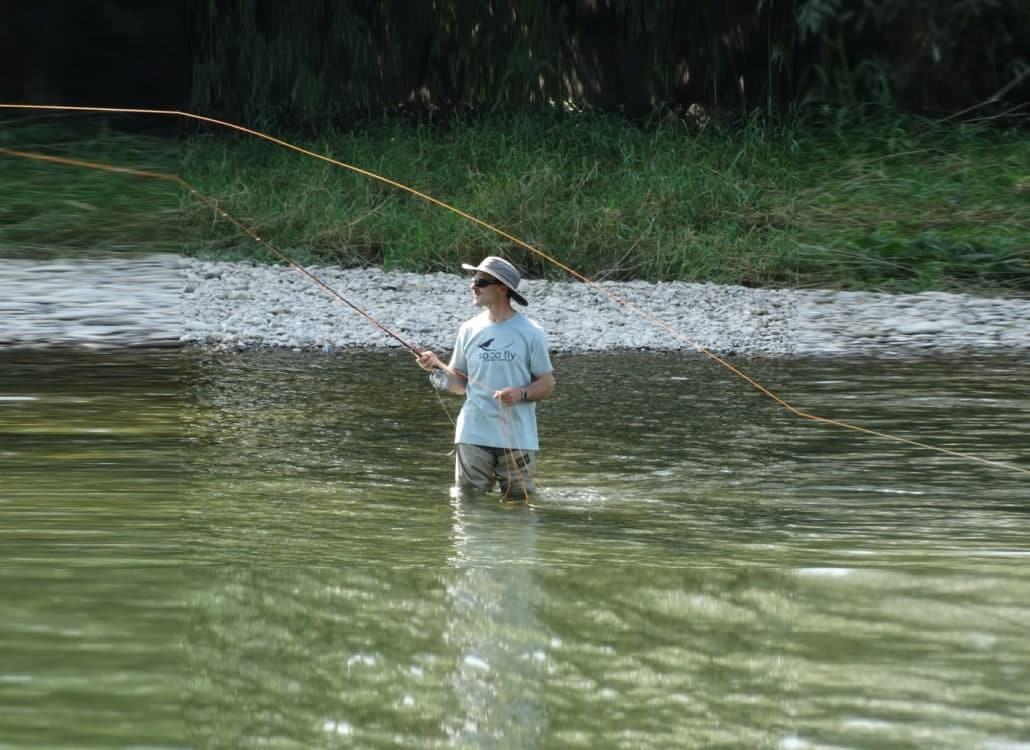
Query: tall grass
56, 210
894, 203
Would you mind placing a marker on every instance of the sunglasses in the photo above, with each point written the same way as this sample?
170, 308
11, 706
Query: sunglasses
484, 282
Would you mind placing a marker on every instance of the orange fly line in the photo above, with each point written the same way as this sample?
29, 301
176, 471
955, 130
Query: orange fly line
521, 243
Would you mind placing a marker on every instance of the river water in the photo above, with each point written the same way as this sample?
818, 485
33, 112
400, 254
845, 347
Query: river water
208, 550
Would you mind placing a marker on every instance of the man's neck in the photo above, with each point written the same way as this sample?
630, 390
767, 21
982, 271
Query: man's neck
500, 313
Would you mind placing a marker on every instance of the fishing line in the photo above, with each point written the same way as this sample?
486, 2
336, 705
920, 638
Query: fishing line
514, 454
515, 240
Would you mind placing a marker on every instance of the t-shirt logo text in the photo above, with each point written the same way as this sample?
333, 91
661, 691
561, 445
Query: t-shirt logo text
504, 356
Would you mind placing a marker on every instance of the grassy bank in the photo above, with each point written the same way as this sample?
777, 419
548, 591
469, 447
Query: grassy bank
52, 210
900, 204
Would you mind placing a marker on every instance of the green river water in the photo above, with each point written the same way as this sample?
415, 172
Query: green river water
259, 550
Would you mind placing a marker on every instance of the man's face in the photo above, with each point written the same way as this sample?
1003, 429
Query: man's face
486, 290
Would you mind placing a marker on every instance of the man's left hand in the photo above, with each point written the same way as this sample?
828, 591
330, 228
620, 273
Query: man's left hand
508, 396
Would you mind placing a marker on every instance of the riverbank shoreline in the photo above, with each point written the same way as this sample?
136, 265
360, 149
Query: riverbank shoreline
172, 301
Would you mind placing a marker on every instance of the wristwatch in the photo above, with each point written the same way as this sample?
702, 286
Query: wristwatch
525, 396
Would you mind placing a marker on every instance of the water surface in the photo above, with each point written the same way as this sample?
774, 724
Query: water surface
223, 551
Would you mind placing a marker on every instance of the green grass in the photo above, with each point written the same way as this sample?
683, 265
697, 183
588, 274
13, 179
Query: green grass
52, 210
898, 204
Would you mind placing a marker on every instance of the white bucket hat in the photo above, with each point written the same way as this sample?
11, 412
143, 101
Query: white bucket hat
503, 271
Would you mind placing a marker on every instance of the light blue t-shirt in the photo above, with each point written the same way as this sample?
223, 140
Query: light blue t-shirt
495, 356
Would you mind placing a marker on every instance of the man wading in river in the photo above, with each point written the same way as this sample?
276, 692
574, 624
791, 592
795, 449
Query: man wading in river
500, 363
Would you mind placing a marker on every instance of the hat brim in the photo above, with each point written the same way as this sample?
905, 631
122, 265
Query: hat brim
514, 295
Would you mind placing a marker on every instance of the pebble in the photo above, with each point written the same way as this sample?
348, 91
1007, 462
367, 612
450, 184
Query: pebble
167, 300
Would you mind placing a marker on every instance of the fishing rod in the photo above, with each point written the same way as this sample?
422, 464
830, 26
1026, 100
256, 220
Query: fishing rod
176, 179
224, 214
521, 243
415, 350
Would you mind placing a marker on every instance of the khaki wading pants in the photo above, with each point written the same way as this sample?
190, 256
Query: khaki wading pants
478, 467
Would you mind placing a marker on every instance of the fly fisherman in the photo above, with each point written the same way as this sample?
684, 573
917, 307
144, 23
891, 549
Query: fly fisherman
500, 363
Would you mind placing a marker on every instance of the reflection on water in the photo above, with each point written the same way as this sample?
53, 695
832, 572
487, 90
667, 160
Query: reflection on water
231, 551
501, 649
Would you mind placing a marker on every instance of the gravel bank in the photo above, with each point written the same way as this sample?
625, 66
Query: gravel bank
172, 301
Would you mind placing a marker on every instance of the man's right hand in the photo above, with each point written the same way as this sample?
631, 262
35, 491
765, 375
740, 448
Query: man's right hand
428, 361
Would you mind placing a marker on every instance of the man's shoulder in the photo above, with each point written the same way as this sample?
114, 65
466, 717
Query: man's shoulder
530, 323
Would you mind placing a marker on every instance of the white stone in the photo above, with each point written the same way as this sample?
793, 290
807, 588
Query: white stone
161, 299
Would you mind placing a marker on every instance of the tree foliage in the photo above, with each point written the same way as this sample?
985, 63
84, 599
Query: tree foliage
320, 61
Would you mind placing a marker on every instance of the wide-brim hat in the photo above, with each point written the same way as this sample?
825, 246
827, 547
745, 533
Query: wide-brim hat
504, 272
